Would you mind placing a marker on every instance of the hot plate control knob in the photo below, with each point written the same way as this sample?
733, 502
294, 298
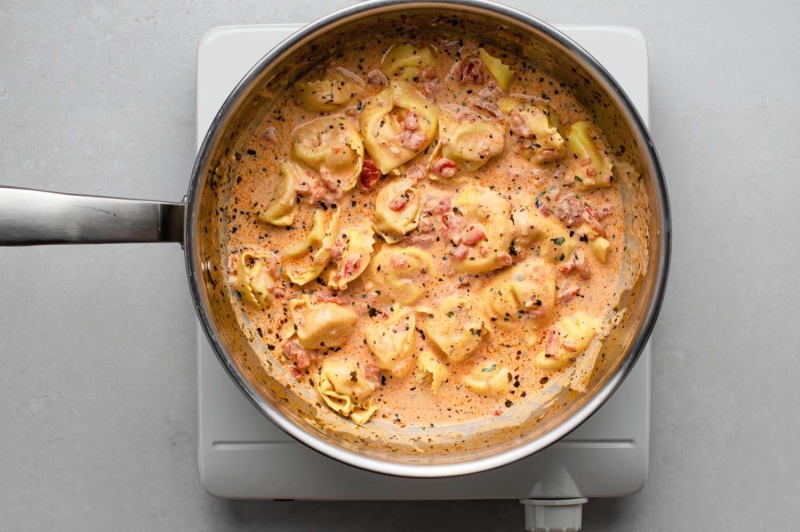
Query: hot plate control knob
553, 515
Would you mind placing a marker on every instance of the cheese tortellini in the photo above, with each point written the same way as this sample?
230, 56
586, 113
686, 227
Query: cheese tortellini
469, 141
555, 242
489, 379
481, 206
282, 204
592, 168
355, 251
430, 368
345, 389
336, 89
522, 297
321, 325
537, 127
568, 339
402, 272
457, 326
331, 146
393, 341
252, 279
397, 210
597, 244
497, 69
304, 261
397, 124
406, 61
599, 247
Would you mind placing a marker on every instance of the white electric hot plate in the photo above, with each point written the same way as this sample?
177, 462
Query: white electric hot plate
243, 455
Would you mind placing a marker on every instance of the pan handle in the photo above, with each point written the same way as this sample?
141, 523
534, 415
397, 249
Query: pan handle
34, 217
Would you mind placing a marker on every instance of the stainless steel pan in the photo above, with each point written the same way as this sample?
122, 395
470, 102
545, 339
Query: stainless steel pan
29, 217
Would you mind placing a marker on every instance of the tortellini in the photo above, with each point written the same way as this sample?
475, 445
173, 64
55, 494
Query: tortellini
599, 247
457, 326
568, 339
407, 62
336, 89
538, 129
282, 204
597, 244
331, 146
253, 281
489, 379
397, 124
429, 367
485, 207
356, 248
304, 261
497, 69
555, 242
343, 387
592, 168
402, 272
393, 341
469, 141
397, 210
522, 297
321, 325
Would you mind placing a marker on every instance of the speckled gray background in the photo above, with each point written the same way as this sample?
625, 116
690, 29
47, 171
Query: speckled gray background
98, 410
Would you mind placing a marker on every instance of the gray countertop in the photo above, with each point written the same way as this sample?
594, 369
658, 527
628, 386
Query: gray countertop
98, 413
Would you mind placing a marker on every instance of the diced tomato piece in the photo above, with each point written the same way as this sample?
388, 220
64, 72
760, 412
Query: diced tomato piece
370, 174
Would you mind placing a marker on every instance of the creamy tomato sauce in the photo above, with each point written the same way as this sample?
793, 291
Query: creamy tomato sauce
425, 233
